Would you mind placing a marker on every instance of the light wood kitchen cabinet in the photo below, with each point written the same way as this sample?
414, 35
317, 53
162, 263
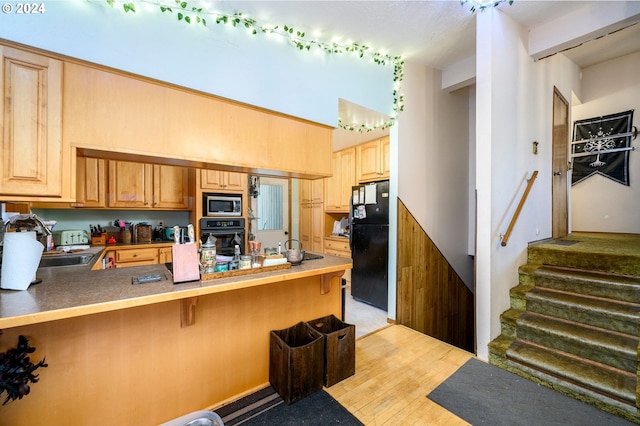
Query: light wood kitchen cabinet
165, 255
31, 127
339, 246
311, 191
130, 184
91, 182
171, 187
372, 160
311, 215
223, 181
338, 186
143, 186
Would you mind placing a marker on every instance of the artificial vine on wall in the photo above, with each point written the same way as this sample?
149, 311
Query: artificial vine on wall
188, 14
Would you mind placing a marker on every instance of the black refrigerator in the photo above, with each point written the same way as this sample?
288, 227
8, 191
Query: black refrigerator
369, 239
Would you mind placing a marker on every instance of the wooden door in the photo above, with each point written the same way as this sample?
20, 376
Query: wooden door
30, 124
560, 215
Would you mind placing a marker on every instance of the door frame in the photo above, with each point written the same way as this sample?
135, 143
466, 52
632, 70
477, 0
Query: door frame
559, 166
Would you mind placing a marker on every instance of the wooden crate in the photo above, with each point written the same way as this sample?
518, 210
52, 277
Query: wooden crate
339, 348
296, 362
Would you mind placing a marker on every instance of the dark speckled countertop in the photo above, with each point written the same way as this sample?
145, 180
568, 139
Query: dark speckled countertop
72, 291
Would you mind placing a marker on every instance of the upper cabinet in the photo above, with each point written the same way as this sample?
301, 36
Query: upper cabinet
171, 187
91, 182
338, 186
130, 184
223, 181
311, 191
31, 127
373, 160
142, 186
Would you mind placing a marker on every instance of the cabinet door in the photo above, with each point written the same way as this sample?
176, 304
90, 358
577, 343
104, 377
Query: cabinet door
171, 187
347, 177
332, 184
317, 232
385, 165
91, 175
306, 225
30, 124
130, 184
165, 255
235, 181
223, 181
311, 191
369, 161
211, 179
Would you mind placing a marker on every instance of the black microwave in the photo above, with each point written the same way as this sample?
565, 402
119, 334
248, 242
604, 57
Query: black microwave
221, 205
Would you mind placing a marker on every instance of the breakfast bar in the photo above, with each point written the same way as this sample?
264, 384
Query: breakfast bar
146, 353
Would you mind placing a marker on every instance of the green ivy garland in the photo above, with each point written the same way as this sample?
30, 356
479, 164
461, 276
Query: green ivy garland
191, 14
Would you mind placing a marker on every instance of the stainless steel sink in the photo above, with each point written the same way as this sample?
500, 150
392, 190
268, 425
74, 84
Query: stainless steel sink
65, 260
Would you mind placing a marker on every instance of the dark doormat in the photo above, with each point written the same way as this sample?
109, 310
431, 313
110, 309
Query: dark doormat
483, 394
266, 407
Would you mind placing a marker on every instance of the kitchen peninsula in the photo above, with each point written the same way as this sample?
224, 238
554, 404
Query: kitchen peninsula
123, 353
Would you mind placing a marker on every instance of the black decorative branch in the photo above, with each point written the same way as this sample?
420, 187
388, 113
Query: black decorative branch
17, 371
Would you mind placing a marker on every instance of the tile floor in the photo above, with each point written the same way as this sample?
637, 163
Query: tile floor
365, 317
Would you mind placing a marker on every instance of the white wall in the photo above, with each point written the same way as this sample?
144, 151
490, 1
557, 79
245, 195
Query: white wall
433, 157
514, 98
598, 203
216, 59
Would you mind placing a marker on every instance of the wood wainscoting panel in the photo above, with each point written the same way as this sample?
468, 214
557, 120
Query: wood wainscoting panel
431, 298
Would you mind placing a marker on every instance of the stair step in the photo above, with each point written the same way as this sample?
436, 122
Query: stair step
594, 378
606, 347
508, 322
612, 253
609, 314
596, 284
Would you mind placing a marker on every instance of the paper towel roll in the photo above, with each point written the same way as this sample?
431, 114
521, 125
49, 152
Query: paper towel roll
21, 255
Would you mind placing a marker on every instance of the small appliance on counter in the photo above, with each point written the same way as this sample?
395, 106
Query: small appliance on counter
70, 237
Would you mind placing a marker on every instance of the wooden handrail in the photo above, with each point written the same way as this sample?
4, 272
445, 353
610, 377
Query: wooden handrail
530, 181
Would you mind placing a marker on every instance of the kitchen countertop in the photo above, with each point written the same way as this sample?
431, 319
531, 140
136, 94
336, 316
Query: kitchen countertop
72, 291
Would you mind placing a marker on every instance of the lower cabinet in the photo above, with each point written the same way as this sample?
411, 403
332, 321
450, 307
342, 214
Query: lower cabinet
124, 257
339, 246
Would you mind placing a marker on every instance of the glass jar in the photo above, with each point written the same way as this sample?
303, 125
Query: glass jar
245, 262
208, 256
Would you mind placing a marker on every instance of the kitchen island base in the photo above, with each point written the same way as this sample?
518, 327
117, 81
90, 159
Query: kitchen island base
138, 365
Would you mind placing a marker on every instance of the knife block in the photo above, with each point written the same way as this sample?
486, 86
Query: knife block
186, 266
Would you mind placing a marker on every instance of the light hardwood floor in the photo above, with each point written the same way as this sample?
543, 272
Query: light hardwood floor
396, 368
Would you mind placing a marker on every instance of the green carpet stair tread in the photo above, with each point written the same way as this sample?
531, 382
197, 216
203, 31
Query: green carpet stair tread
615, 253
598, 378
615, 349
508, 321
518, 296
619, 316
612, 286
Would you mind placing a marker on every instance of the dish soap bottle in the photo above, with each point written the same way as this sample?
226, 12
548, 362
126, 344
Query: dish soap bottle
235, 263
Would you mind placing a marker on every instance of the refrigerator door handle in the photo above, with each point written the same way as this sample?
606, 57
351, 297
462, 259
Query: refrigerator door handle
351, 223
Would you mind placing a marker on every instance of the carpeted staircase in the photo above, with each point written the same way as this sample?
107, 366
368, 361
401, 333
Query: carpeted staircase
574, 320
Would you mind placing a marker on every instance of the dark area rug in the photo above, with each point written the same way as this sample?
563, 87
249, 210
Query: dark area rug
483, 394
266, 407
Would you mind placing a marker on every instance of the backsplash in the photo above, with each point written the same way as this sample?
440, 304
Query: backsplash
82, 218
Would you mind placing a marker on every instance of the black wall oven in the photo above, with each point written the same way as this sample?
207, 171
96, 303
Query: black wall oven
228, 232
